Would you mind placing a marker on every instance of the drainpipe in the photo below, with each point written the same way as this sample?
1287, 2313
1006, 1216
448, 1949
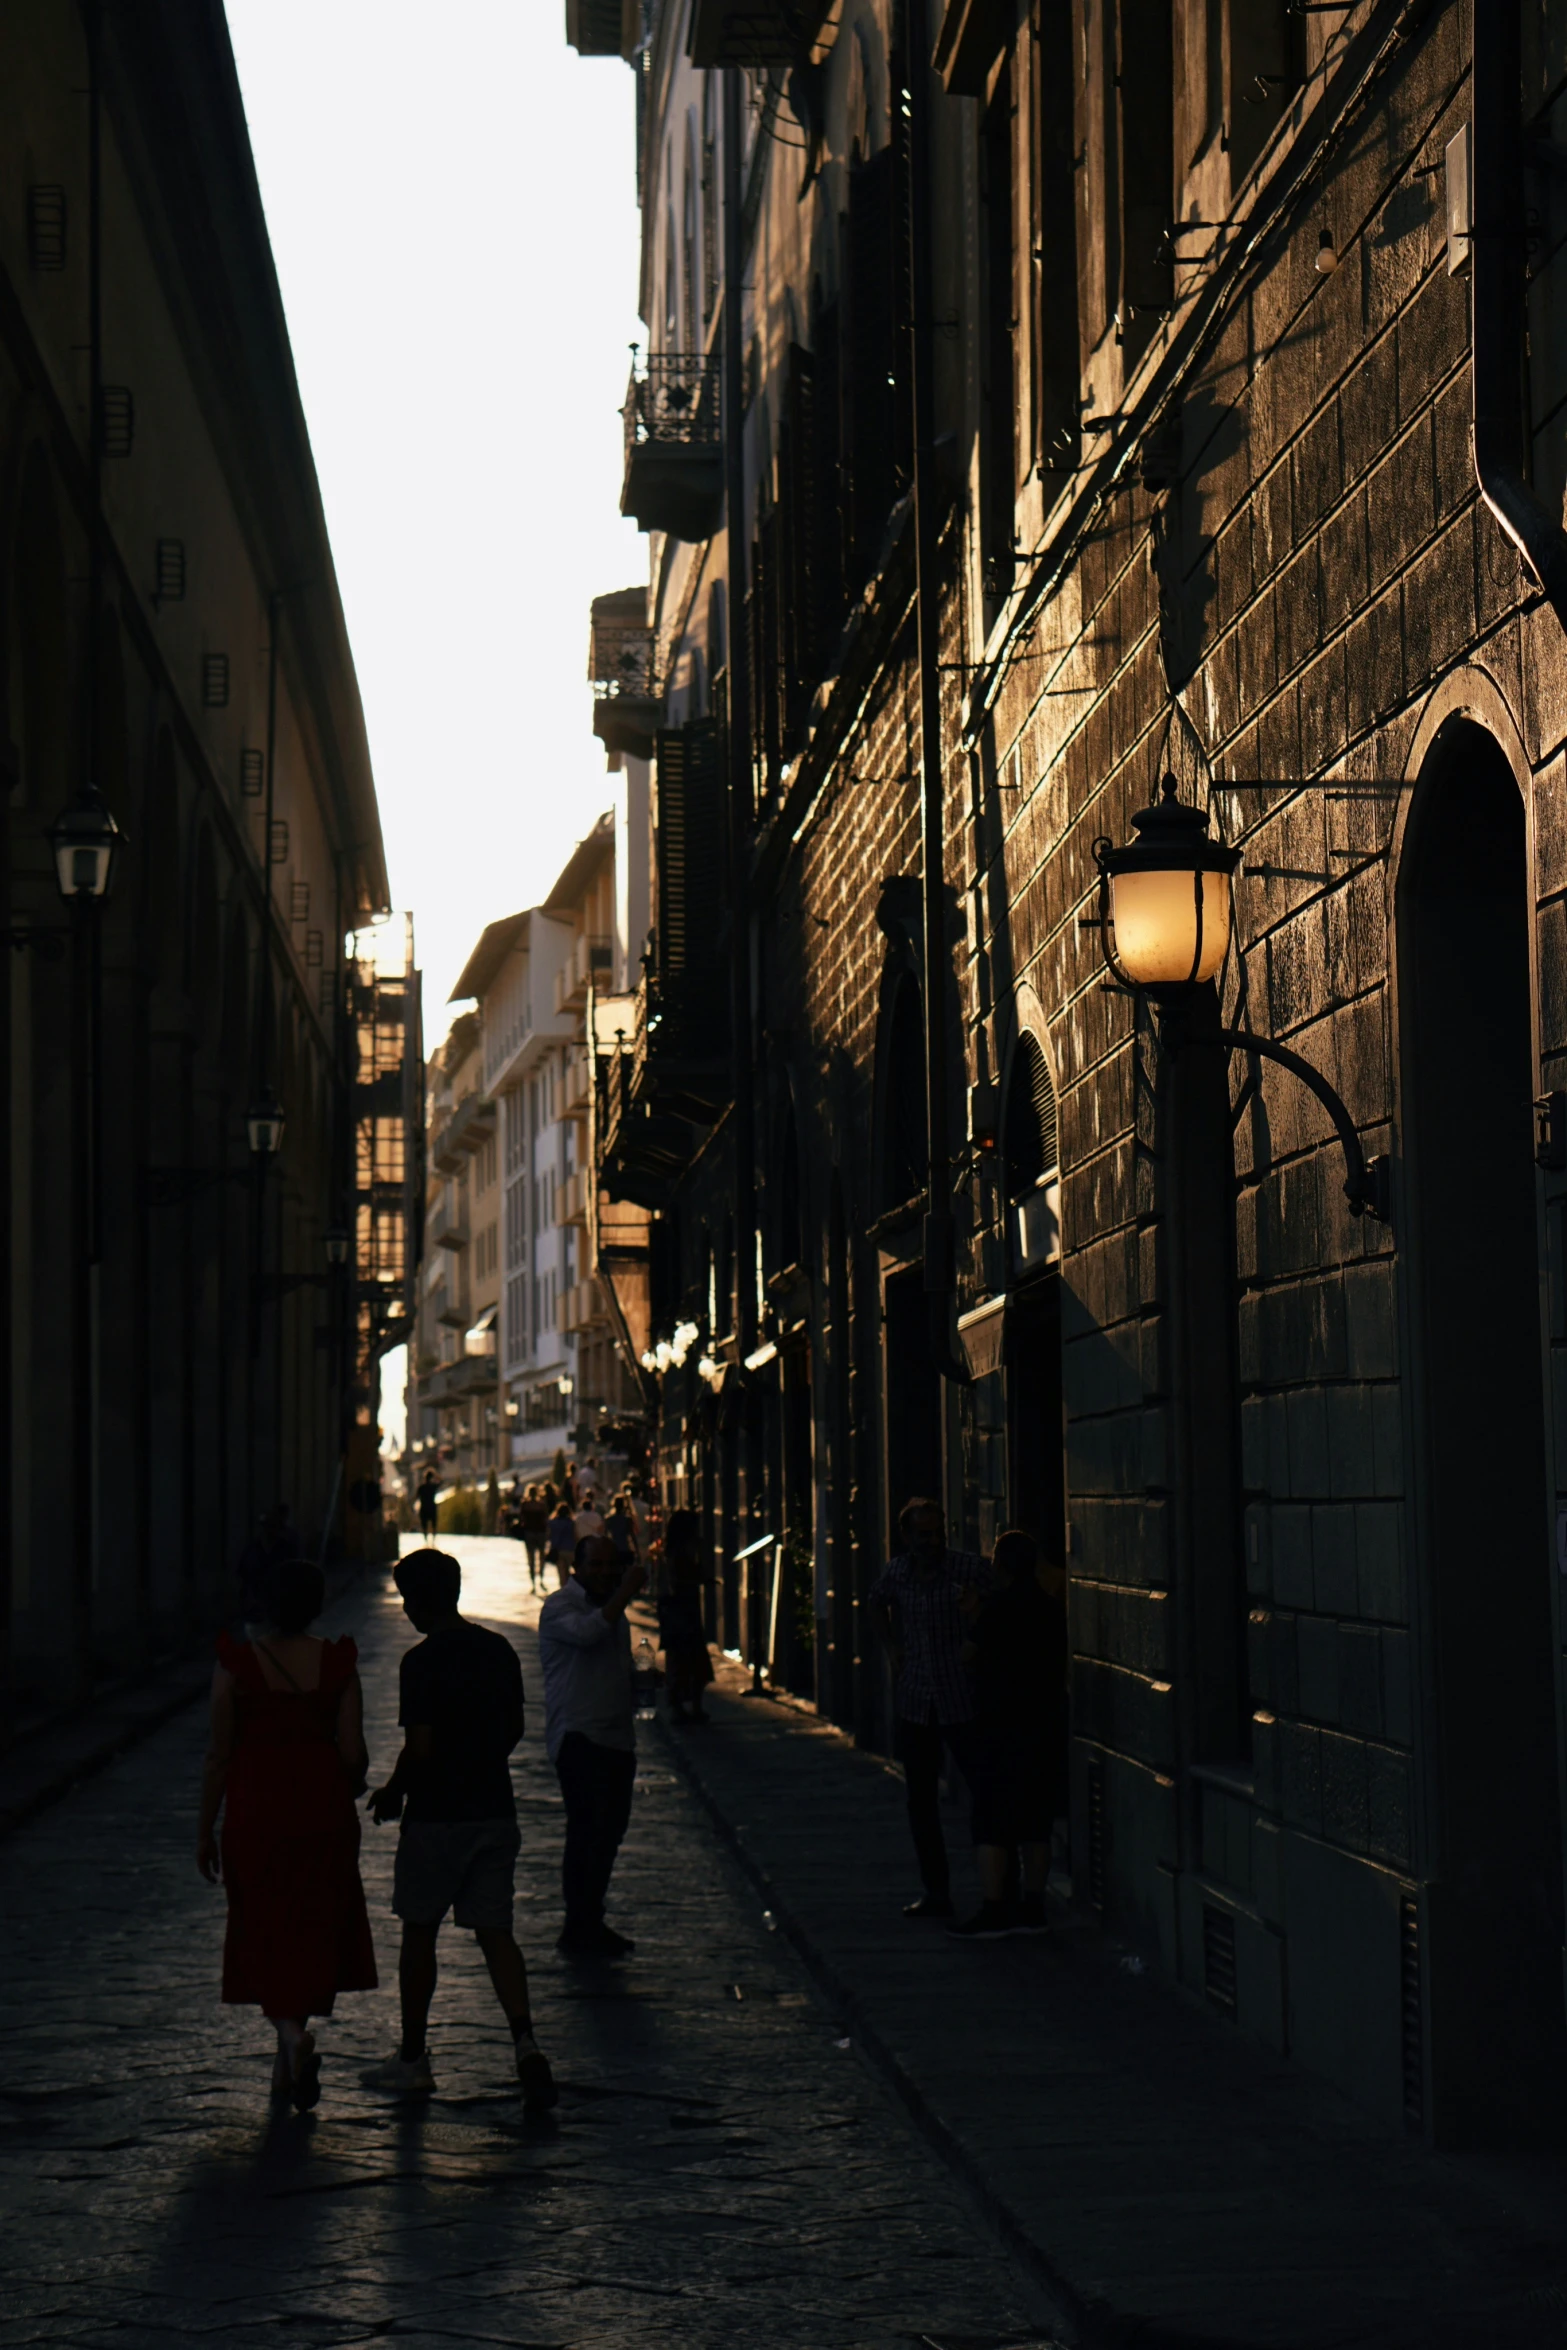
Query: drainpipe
938, 1237
1497, 271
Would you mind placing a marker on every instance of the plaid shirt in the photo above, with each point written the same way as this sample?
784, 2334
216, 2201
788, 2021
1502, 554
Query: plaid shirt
933, 1686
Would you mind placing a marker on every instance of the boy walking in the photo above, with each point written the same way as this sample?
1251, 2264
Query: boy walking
461, 1713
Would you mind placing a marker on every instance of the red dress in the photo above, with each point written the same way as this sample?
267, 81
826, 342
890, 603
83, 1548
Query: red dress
297, 1928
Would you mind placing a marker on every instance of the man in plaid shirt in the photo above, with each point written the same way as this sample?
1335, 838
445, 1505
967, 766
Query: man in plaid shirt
916, 1597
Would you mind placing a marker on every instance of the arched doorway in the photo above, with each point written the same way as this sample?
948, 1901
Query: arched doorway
1486, 1747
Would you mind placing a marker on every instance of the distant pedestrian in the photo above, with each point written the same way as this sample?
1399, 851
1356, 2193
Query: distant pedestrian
492, 1504
429, 1494
590, 1734
1016, 1652
681, 1630
533, 1519
462, 1713
621, 1527
587, 1521
561, 1539
285, 1759
916, 1596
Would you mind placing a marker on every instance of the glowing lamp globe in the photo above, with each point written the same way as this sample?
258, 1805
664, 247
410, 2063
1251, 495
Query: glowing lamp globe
1164, 904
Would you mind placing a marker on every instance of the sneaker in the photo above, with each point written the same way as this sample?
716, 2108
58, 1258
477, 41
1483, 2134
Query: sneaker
400, 2078
593, 1942
989, 1923
539, 2092
1029, 1917
930, 1905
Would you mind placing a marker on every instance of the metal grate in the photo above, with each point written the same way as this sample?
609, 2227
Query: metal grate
1096, 1833
116, 420
46, 226
252, 774
279, 841
1413, 2022
313, 950
328, 992
1218, 1957
215, 681
299, 901
168, 571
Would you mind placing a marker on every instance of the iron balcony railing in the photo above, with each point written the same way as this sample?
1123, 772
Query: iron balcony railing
672, 401
623, 663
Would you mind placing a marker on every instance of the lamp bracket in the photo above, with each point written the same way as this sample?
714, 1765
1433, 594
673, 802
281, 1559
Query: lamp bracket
1366, 1182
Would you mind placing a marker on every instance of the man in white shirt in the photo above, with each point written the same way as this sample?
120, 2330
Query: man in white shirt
589, 1732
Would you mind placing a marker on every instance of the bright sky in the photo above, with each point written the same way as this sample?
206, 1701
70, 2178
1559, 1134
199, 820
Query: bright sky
452, 203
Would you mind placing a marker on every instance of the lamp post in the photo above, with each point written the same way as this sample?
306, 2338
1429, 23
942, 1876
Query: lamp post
1164, 920
86, 842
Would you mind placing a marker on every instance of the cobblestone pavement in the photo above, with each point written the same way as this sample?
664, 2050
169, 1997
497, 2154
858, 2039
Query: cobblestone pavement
723, 2170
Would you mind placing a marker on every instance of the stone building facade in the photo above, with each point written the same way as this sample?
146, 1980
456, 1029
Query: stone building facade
185, 1348
1240, 461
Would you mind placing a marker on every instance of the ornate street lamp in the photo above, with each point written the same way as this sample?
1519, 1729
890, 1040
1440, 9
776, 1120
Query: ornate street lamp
1164, 927
264, 1125
1164, 899
86, 843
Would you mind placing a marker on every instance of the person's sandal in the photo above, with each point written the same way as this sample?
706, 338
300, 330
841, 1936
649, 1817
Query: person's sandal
307, 2075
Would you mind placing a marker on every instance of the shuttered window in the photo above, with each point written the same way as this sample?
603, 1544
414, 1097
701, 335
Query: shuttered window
690, 833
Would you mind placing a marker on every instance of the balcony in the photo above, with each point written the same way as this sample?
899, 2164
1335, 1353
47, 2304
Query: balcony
576, 1198
754, 32
578, 1308
603, 28
674, 478
576, 1085
623, 672
590, 958
448, 1227
661, 1087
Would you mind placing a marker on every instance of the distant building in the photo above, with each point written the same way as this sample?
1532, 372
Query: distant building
562, 1365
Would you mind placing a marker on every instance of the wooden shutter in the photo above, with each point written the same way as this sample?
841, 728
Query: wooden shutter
690, 856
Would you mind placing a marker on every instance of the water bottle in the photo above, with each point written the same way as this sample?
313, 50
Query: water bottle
645, 1679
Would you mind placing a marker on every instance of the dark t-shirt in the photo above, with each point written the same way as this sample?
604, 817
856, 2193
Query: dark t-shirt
465, 1683
1019, 1671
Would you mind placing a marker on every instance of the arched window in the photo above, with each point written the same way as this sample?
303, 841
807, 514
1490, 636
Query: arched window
1030, 1140
1031, 1158
904, 1158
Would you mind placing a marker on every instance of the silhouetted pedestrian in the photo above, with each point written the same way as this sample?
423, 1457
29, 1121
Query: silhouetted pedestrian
681, 1629
429, 1493
1017, 1655
285, 1758
916, 1596
462, 1713
590, 1733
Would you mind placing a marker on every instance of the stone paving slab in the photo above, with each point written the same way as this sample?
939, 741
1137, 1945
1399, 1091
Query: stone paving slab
721, 2171
1171, 2183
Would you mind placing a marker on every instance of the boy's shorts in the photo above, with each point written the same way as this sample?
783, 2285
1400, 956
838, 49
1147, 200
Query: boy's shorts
464, 1866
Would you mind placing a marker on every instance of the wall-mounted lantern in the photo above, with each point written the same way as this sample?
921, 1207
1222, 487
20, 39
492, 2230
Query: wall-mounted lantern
86, 843
336, 1240
1164, 926
264, 1125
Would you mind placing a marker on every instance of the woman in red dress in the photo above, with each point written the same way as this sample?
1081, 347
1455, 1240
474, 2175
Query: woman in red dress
286, 1758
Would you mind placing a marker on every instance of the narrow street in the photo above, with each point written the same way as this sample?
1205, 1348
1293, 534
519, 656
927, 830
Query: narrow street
722, 2170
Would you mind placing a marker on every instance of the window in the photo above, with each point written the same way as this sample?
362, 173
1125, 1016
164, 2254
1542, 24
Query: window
1056, 357
904, 1160
999, 441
